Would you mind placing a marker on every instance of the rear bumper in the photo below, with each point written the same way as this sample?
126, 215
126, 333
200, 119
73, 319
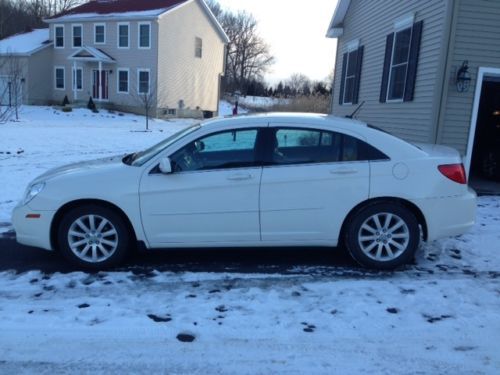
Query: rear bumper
448, 216
32, 232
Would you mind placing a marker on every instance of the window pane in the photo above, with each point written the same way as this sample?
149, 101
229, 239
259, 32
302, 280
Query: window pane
60, 78
123, 81
123, 35
59, 37
144, 35
351, 65
77, 36
232, 149
99, 34
349, 90
397, 83
198, 52
299, 146
143, 82
402, 47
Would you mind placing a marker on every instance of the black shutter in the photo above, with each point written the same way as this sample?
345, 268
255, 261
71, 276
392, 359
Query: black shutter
387, 66
342, 78
411, 75
357, 78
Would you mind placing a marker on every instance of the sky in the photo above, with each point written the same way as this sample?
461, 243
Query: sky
295, 30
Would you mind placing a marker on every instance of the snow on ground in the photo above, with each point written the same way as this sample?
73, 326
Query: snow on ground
226, 109
441, 315
261, 101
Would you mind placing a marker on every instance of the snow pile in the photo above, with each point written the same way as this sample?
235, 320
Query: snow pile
24, 43
226, 109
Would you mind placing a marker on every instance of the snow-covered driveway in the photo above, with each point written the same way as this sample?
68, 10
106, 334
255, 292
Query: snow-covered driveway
439, 316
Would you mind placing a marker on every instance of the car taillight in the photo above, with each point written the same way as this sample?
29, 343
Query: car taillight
455, 172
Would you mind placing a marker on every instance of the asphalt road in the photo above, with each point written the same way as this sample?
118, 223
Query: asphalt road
21, 258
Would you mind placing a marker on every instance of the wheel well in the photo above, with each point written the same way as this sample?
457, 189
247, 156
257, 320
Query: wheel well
81, 202
407, 204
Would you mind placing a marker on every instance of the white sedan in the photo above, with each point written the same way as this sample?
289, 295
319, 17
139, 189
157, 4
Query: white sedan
266, 180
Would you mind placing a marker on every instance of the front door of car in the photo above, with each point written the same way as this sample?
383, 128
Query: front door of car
312, 180
211, 197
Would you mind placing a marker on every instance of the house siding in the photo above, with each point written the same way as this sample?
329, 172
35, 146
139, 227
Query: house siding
476, 38
39, 76
371, 22
182, 76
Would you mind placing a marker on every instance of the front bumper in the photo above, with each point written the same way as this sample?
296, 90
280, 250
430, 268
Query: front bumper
32, 232
448, 216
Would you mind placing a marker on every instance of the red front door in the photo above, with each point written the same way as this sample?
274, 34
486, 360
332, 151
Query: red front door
100, 84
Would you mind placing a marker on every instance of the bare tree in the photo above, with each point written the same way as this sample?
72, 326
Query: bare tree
11, 69
146, 98
298, 82
248, 55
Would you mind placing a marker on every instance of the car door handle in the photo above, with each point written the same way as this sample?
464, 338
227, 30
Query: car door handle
343, 171
239, 177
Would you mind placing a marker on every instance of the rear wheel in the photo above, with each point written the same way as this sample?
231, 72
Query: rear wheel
383, 236
93, 237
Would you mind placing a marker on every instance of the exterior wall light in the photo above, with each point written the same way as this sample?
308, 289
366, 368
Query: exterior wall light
463, 77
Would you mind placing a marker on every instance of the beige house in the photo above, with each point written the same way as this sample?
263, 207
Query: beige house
125, 52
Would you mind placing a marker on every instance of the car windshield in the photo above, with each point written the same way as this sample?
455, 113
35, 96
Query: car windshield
139, 158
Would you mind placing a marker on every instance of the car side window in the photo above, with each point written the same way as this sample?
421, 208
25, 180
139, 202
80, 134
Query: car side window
227, 149
306, 146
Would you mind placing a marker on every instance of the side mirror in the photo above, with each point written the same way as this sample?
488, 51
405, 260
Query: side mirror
165, 166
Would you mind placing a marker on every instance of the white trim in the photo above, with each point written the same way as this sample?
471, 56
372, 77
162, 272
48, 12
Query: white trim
118, 34
482, 72
139, 70
118, 80
335, 29
351, 46
95, 34
139, 24
55, 35
407, 63
73, 25
64, 78
404, 22
74, 80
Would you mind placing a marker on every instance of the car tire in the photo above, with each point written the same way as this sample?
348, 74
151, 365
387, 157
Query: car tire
93, 237
383, 236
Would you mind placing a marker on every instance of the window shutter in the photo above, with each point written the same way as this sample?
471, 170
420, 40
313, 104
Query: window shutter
342, 78
357, 79
387, 66
411, 75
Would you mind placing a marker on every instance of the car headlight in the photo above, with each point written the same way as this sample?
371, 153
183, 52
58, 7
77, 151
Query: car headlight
33, 191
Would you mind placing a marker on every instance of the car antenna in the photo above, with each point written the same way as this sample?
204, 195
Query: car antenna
356, 110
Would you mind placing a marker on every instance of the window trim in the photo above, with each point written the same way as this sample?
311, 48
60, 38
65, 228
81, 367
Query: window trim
56, 68
118, 80
73, 26
118, 34
59, 26
347, 76
139, 24
196, 39
74, 78
391, 65
139, 70
95, 33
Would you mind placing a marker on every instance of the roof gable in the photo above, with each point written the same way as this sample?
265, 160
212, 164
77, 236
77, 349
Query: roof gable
25, 44
336, 29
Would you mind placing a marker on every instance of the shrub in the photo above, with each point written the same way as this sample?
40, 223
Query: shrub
312, 103
67, 109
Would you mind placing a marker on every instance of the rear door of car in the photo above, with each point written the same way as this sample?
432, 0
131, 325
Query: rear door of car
312, 179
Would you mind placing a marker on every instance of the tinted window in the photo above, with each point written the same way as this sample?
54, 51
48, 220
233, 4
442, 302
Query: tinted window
230, 149
301, 146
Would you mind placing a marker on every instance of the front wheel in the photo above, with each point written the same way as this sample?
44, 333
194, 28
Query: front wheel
383, 236
93, 237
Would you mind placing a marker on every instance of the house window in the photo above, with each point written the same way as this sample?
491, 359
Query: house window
123, 81
198, 47
351, 73
123, 35
59, 78
143, 81
78, 79
171, 112
59, 36
400, 64
77, 36
99, 33
144, 35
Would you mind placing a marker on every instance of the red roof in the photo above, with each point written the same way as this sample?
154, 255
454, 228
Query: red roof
119, 6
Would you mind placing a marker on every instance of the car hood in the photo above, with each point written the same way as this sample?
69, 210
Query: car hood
83, 166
